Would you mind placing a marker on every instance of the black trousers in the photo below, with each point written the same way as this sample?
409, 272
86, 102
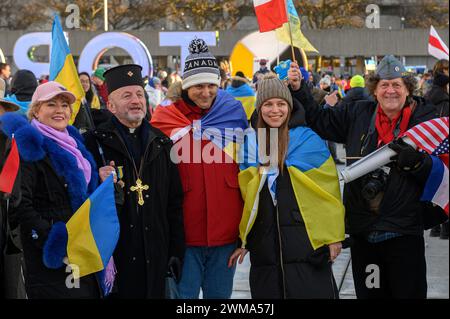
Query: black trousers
395, 268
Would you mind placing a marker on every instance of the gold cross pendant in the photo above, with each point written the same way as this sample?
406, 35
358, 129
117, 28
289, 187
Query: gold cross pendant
139, 188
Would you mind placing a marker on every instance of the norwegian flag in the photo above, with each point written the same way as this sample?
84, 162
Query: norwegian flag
437, 47
432, 137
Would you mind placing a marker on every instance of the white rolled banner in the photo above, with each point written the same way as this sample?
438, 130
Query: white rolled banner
371, 162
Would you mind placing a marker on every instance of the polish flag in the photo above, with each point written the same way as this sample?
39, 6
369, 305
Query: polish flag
271, 14
437, 47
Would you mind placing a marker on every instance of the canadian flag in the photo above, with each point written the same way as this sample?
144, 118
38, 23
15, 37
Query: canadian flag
437, 47
271, 14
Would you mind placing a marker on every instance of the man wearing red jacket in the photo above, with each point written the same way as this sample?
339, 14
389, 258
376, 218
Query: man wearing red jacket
212, 204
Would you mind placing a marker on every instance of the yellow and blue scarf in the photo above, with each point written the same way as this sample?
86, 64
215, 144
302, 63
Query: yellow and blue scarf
314, 179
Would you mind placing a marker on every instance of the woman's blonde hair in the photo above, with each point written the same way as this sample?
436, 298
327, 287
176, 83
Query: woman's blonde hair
34, 107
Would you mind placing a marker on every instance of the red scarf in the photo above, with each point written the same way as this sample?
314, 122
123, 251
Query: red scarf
385, 127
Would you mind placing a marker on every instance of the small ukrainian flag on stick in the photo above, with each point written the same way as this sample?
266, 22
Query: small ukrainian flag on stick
89, 238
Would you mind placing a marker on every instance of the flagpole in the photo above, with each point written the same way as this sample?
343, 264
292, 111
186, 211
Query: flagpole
290, 33
278, 52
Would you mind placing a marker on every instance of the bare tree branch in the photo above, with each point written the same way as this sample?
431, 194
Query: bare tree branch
15, 15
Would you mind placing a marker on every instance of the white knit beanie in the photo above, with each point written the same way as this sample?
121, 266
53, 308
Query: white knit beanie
200, 66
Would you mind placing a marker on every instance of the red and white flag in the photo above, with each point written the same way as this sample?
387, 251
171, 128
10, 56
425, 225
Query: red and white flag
437, 47
271, 14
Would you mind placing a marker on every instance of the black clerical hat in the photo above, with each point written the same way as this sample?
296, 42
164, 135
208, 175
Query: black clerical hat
123, 75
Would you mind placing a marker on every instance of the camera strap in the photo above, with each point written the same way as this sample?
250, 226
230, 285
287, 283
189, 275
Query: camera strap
369, 133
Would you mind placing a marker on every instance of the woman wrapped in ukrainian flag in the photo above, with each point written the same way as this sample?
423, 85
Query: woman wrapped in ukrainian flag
293, 219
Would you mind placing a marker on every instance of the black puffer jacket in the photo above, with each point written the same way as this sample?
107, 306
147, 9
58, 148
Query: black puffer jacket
400, 210
283, 262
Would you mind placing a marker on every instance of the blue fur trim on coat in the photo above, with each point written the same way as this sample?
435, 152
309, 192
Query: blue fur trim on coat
29, 140
55, 248
33, 146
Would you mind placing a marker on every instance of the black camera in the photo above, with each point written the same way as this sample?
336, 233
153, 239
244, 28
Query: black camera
374, 183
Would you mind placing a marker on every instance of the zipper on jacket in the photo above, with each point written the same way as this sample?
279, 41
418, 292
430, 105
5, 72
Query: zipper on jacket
281, 255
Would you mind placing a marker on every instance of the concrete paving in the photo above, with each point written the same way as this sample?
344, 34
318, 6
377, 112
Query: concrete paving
437, 257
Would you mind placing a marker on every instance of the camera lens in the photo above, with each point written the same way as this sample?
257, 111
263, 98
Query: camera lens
371, 190
373, 184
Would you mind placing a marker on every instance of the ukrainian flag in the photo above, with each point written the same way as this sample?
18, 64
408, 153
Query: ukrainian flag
62, 66
246, 96
298, 39
341, 92
223, 125
93, 231
314, 180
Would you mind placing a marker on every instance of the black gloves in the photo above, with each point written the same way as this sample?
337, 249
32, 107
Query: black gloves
175, 268
408, 159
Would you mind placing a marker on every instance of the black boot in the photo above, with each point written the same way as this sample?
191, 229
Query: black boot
444, 231
435, 231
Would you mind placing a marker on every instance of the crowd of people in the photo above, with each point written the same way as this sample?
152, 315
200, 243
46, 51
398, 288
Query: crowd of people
275, 195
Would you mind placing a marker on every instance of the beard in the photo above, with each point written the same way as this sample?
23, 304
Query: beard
134, 117
131, 117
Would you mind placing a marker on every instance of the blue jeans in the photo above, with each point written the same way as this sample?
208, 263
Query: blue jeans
207, 268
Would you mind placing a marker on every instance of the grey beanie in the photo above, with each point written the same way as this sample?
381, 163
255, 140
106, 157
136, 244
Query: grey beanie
200, 66
272, 87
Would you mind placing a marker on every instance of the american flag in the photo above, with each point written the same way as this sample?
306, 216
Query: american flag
432, 137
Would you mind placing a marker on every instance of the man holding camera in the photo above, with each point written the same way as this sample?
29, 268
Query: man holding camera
384, 214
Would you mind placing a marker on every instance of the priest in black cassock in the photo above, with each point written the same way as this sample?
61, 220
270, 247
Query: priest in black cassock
149, 194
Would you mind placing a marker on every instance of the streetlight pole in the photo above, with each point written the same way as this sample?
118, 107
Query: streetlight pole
105, 11
402, 19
